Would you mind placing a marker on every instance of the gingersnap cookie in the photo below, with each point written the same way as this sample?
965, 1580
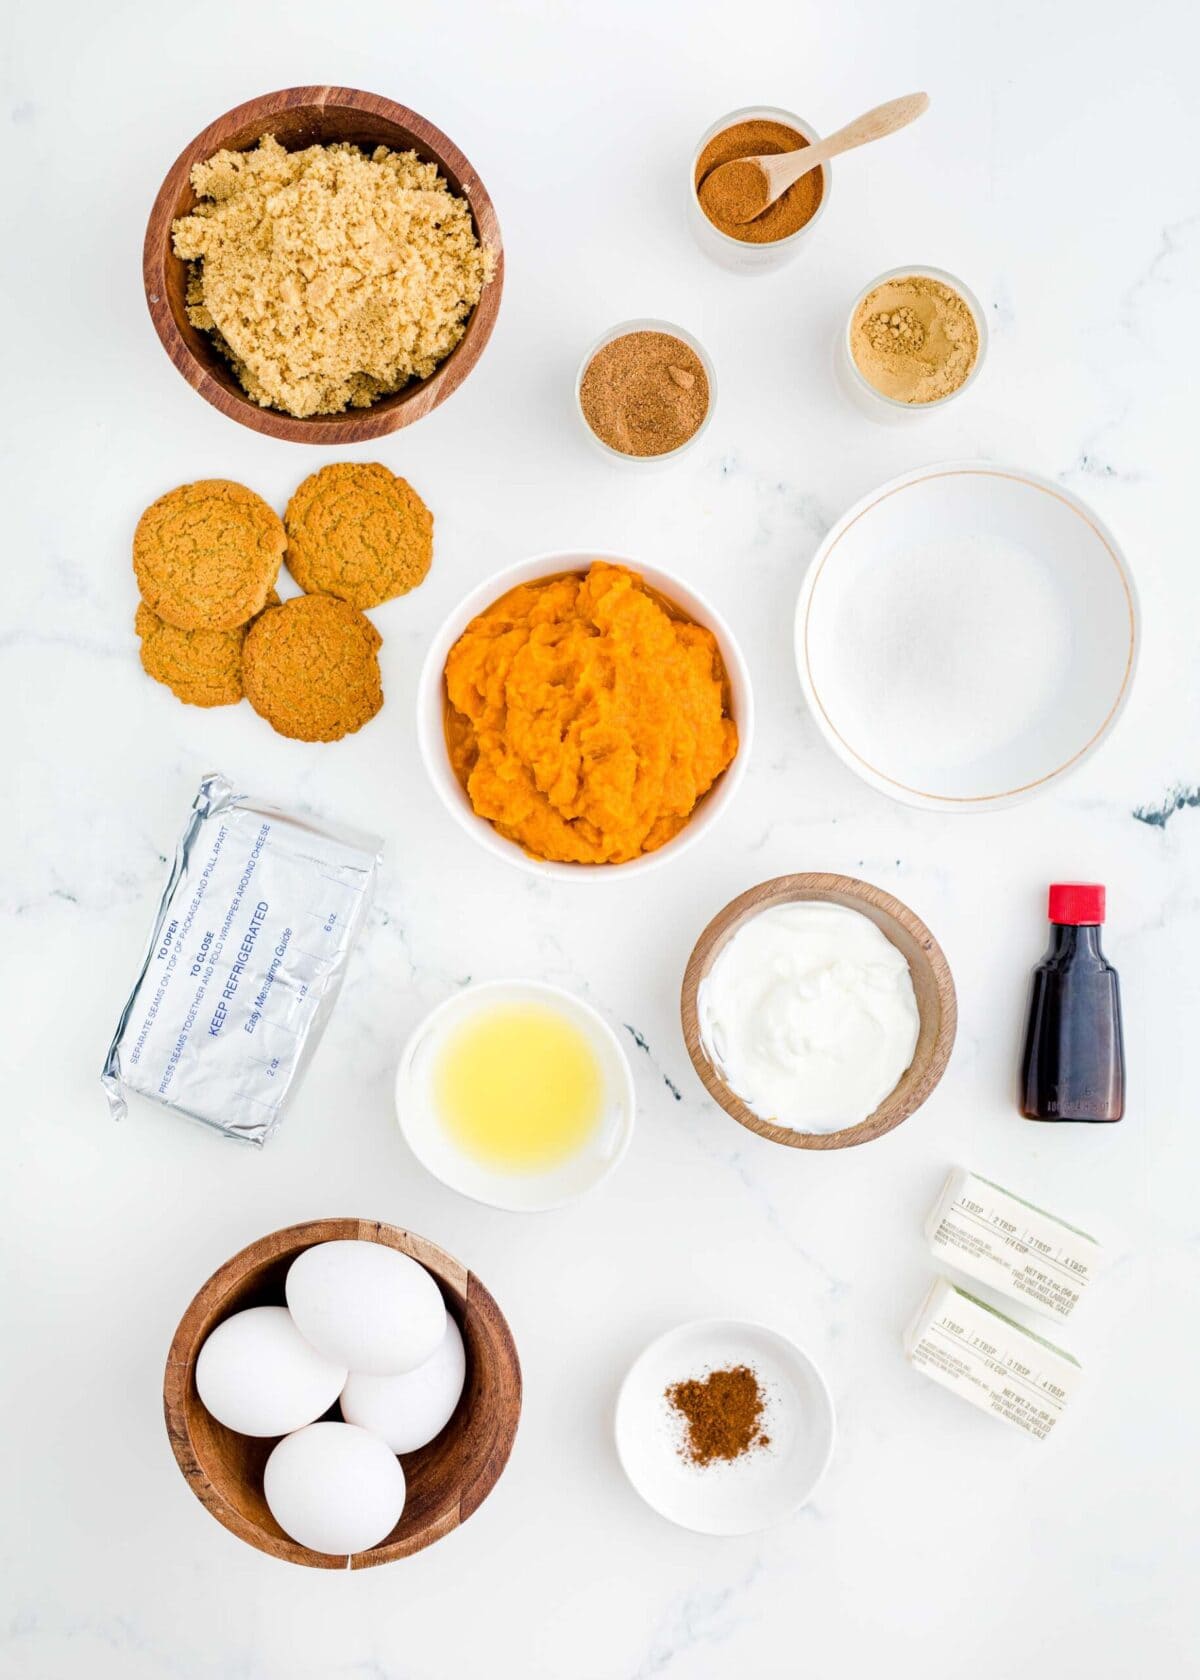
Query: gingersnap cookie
358, 532
310, 668
207, 555
200, 667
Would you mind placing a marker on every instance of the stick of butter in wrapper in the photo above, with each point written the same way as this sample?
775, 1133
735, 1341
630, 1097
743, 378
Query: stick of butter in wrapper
244, 963
1019, 1249
991, 1360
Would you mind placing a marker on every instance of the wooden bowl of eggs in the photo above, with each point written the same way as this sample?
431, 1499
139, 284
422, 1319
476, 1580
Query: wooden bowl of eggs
369, 1386
818, 1010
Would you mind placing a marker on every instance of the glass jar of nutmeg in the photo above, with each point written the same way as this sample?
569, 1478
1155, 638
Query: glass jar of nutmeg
645, 391
779, 234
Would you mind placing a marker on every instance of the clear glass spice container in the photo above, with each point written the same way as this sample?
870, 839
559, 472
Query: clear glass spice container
855, 385
738, 254
652, 326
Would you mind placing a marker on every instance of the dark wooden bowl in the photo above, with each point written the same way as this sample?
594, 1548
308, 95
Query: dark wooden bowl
300, 117
447, 1480
932, 984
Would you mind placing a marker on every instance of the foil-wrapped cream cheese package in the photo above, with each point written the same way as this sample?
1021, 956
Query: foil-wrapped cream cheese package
1006, 1242
991, 1360
247, 954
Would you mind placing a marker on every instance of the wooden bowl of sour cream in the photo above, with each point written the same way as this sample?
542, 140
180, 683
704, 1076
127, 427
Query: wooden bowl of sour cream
932, 983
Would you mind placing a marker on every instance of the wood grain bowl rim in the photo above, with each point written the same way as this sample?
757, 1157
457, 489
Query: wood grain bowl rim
179, 1382
391, 412
927, 1067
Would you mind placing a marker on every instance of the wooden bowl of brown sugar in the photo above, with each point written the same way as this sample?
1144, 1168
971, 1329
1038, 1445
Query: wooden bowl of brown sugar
301, 117
447, 1480
932, 982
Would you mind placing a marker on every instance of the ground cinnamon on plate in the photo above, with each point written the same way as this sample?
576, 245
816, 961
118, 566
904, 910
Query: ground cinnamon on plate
722, 1413
645, 393
799, 204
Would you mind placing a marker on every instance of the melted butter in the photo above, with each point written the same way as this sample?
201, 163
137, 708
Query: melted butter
519, 1087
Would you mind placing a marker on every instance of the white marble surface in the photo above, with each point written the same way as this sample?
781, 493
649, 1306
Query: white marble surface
939, 1544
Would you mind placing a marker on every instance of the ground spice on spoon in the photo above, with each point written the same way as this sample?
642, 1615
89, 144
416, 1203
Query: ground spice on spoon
723, 1414
645, 393
734, 194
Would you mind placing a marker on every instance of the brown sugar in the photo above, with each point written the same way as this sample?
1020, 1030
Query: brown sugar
725, 202
645, 393
329, 276
722, 1413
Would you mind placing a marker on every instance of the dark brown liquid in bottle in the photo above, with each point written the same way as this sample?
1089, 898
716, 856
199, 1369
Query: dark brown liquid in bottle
1073, 1067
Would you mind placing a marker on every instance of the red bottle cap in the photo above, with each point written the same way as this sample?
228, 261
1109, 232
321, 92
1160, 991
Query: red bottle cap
1077, 903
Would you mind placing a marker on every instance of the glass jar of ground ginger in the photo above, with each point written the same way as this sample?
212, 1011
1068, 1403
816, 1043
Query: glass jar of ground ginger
780, 131
914, 340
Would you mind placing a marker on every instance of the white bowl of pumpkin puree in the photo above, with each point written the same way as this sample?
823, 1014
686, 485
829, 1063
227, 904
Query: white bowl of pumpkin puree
583, 714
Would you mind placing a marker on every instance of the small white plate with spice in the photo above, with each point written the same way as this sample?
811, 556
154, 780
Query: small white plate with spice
724, 1426
967, 636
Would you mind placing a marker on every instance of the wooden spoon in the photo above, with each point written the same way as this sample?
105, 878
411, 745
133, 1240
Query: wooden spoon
758, 181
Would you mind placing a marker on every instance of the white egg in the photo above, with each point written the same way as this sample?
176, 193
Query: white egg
366, 1306
258, 1375
334, 1488
409, 1410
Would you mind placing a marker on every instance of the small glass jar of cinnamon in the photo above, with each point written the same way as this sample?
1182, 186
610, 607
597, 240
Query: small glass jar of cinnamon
778, 235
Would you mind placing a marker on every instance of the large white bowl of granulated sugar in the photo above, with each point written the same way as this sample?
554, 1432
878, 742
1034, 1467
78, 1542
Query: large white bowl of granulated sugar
967, 635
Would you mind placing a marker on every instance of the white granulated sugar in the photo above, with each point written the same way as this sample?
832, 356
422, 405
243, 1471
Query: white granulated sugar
955, 649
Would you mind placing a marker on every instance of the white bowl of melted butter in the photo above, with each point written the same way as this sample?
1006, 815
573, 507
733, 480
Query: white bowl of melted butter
517, 1094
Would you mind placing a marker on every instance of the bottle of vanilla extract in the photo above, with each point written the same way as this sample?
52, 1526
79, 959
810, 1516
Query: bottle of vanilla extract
1073, 1066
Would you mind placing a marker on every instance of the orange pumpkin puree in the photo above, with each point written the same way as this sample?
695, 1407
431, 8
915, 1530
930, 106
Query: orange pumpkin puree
586, 718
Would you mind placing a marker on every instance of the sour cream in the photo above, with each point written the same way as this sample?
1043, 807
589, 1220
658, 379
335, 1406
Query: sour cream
809, 1015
